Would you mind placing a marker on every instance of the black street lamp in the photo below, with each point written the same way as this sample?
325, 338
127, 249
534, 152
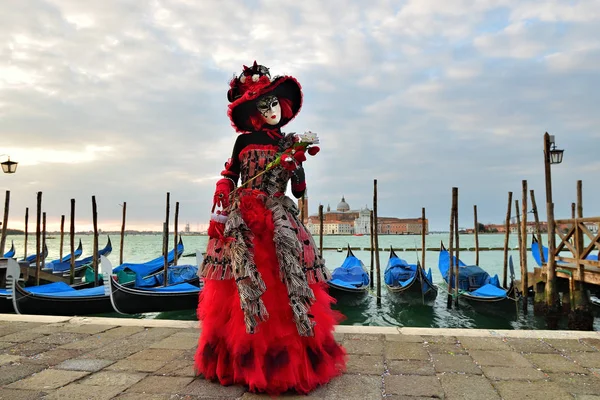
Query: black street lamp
9, 167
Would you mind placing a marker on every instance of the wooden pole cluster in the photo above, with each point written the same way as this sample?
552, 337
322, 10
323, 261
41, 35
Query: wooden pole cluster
524, 277
165, 241
37, 238
376, 242
175, 230
95, 249
122, 233
372, 240
72, 243
4, 222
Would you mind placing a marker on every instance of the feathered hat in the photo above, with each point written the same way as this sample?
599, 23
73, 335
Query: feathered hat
254, 82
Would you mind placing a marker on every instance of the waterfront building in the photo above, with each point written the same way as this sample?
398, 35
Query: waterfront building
345, 221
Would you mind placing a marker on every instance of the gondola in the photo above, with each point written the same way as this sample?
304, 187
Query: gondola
56, 298
350, 277
136, 300
77, 253
32, 258
535, 252
64, 268
476, 286
11, 252
409, 281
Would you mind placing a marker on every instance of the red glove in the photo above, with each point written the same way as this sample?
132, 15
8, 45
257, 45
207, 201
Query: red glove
222, 192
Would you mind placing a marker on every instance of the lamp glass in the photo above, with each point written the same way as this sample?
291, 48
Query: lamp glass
9, 167
556, 156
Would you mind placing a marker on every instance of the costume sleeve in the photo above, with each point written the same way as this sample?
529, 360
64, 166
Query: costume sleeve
232, 167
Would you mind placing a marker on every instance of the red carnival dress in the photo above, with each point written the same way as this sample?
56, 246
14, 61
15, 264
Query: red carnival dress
266, 315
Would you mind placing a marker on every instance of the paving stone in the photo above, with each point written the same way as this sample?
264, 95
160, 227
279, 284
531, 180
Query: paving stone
16, 394
405, 351
48, 329
348, 386
118, 350
586, 359
363, 336
53, 357
554, 363
445, 348
527, 345
211, 390
4, 345
595, 343
89, 343
137, 365
439, 339
155, 334
568, 345
455, 363
286, 396
363, 364
84, 365
483, 343
161, 384
410, 367
413, 385
75, 391
467, 387
515, 373
177, 342
90, 329
48, 379
588, 397
113, 378
404, 338
369, 347
60, 338
177, 367
499, 358
14, 372
576, 383
156, 355
146, 396
339, 337
19, 337
536, 390
8, 359
121, 332
27, 349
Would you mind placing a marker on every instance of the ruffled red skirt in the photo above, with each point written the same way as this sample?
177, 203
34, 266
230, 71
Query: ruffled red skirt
276, 358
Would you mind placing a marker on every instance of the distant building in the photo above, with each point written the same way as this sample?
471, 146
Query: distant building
345, 221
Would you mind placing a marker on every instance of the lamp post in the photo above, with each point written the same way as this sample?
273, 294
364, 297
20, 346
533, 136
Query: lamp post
551, 156
8, 167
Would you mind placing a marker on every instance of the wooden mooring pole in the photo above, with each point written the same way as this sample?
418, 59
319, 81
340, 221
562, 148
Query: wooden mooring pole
376, 242
506, 237
62, 237
37, 237
520, 239
95, 249
372, 241
26, 232
524, 277
72, 243
4, 222
456, 233
321, 230
43, 261
451, 252
175, 227
476, 231
423, 233
165, 241
122, 233
538, 227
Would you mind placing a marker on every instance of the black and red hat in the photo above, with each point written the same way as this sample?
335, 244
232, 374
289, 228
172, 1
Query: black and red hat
251, 84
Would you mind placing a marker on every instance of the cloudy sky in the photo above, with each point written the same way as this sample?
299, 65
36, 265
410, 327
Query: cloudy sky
126, 101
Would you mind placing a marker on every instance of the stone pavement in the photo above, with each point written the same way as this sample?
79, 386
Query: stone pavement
127, 359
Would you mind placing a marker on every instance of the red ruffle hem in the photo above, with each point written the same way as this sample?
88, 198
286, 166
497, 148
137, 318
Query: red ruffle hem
276, 358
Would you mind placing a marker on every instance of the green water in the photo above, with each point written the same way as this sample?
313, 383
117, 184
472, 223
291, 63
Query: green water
363, 311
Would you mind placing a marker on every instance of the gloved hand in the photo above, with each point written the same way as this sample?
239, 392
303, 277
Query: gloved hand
222, 192
298, 179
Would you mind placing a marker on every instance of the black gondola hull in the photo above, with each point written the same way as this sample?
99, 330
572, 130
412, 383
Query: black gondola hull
136, 301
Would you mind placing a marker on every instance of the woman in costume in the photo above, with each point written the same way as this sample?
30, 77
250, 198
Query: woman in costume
266, 315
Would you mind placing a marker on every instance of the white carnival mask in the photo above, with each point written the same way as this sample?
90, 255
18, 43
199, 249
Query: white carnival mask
269, 109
